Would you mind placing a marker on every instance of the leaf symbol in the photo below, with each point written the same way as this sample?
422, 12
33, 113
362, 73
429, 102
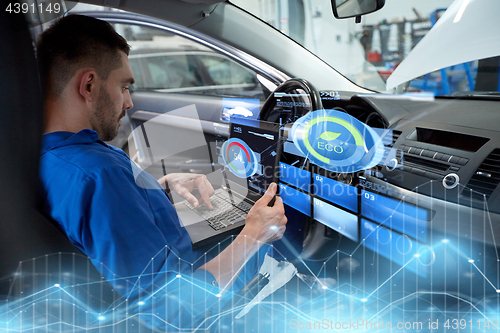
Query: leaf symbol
328, 136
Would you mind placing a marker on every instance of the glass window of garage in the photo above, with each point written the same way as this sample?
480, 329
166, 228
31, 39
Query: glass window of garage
166, 62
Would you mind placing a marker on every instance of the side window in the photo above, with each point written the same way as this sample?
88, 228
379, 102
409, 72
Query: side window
224, 71
138, 75
165, 62
172, 71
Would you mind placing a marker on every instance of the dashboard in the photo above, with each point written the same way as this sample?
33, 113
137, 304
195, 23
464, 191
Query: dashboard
434, 178
427, 199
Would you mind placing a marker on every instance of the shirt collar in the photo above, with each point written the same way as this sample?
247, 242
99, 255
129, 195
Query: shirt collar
60, 139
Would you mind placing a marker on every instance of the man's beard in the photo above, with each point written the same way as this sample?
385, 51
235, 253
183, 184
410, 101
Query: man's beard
103, 120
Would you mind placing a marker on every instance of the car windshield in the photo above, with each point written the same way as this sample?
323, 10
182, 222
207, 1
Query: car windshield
430, 46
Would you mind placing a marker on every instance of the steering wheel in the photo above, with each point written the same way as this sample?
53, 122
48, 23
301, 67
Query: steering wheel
269, 111
299, 98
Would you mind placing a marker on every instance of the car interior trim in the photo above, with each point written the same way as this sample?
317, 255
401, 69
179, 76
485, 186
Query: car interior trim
185, 123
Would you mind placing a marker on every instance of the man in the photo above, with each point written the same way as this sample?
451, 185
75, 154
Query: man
89, 187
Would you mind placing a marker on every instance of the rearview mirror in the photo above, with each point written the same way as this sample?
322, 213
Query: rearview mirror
355, 8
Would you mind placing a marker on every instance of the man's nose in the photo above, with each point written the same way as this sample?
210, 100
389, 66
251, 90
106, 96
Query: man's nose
127, 104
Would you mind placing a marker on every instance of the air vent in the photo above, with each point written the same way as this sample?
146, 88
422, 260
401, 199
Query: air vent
390, 138
487, 177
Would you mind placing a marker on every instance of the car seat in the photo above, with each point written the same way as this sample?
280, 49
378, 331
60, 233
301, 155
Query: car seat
34, 253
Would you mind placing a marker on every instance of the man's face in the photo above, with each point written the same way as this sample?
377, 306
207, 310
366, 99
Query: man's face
112, 101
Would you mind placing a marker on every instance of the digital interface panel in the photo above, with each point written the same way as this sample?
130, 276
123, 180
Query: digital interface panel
459, 284
237, 110
251, 153
289, 105
396, 214
336, 141
320, 147
396, 247
339, 220
297, 177
334, 191
296, 199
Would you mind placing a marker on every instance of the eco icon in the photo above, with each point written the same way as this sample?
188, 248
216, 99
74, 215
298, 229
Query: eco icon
337, 141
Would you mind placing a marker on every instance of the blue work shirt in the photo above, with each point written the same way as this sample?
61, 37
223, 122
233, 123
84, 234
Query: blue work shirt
128, 231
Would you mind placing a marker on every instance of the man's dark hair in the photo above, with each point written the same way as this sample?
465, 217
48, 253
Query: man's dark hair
74, 42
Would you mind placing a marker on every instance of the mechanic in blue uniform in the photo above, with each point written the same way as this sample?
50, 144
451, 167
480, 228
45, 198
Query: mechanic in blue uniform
128, 227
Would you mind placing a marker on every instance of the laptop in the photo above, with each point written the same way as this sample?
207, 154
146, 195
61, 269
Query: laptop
248, 160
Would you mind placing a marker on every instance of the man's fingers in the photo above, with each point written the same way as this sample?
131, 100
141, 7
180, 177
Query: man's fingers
183, 192
205, 189
205, 198
282, 231
212, 191
278, 204
284, 221
163, 181
269, 195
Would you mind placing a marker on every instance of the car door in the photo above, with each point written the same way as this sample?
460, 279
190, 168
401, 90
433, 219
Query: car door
185, 84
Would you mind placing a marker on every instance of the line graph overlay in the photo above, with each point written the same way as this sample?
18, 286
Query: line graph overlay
463, 282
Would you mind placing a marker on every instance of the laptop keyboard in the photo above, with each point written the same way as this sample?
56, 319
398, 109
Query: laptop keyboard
224, 213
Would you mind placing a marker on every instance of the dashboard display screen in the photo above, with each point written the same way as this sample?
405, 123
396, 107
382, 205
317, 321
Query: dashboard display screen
395, 214
297, 177
290, 102
289, 106
448, 139
336, 192
296, 199
339, 220
237, 110
392, 228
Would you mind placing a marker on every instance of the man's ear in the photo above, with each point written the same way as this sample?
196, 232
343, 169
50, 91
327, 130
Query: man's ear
88, 85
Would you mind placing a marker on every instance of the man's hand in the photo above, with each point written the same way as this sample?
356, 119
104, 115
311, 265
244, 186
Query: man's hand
263, 223
184, 183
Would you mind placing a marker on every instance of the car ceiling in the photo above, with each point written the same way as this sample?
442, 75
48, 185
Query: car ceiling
183, 12
229, 24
